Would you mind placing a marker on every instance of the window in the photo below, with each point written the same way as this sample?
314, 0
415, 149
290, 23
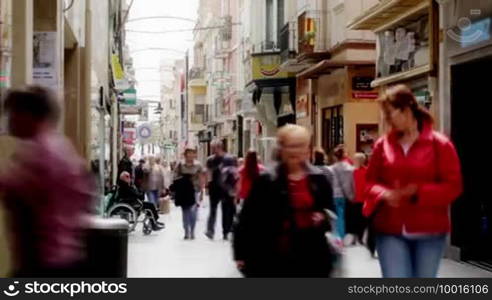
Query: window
332, 127
269, 24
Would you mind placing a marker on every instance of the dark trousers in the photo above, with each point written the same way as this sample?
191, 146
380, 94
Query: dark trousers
151, 208
356, 222
228, 212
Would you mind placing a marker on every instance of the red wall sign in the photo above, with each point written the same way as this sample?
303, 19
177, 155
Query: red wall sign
365, 95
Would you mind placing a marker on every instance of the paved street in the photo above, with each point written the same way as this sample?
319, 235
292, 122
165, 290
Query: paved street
166, 254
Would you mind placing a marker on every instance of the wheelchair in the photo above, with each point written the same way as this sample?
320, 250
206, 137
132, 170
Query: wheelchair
131, 210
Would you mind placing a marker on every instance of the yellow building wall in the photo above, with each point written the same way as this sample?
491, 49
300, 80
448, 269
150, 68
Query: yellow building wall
358, 113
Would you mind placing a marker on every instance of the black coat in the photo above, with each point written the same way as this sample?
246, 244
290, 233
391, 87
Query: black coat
262, 221
184, 191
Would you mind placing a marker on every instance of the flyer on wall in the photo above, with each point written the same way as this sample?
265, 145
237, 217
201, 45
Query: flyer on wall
44, 58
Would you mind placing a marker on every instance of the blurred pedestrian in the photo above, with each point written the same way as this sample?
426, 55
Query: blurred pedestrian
282, 226
240, 162
319, 160
155, 182
248, 174
125, 164
217, 193
188, 185
47, 190
343, 188
140, 175
413, 177
356, 222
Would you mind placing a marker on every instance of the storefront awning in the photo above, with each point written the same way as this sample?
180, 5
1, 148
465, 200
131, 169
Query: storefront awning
388, 13
327, 66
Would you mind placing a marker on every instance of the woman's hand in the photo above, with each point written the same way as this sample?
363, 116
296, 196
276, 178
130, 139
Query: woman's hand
318, 218
395, 197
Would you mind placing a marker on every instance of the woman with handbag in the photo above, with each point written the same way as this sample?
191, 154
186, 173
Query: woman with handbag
413, 177
189, 182
281, 230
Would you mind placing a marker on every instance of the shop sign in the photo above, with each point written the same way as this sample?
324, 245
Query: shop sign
267, 67
118, 74
144, 132
302, 107
130, 110
360, 83
365, 95
130, 96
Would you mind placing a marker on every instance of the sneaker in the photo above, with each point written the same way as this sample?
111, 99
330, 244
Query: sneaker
192, 236
186, 237
226, 237
160, 224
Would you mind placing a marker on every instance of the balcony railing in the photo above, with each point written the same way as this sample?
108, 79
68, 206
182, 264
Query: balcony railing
197, 73
266, 47
286, 42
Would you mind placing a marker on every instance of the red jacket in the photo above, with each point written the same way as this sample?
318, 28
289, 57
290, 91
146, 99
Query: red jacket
245, 182
432, 163
360, 184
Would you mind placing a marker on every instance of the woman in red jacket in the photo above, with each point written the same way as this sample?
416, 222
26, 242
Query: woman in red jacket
248, 174
413, 177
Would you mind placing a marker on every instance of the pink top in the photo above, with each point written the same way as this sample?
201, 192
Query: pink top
47, 191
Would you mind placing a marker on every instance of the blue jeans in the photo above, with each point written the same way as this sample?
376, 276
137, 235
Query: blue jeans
340, 204
153, 197
189, 218
402, 257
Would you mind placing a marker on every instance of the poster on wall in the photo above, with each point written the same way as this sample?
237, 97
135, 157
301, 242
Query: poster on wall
44, 59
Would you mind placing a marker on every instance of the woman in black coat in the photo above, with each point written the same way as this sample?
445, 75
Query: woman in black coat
281, 230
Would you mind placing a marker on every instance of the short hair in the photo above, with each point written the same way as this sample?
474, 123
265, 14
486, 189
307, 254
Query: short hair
37, 101
188, 150
290, 129
319, 157
217, 143
360, 157
124, 175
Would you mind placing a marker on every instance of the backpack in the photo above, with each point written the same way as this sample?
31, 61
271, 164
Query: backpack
228, 180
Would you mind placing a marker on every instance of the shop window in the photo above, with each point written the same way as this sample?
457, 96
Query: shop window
404, 48
332, 127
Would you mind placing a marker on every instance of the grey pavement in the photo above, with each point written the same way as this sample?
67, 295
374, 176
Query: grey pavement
166, 254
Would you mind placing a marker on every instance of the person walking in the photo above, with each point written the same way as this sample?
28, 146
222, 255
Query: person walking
281, 228
414, 175
356, 222
125, 164
188, 185
155, 181
229, 181
140, 175
248, 173
47, 190
215, 165
343, 188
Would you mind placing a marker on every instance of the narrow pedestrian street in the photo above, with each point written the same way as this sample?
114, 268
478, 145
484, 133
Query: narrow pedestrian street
166, 254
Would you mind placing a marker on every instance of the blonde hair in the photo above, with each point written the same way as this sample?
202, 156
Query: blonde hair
290, 130
360, 158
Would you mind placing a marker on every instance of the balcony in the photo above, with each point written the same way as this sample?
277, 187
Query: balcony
197, 77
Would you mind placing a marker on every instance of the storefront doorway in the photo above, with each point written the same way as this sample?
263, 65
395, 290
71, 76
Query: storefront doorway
470, 121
